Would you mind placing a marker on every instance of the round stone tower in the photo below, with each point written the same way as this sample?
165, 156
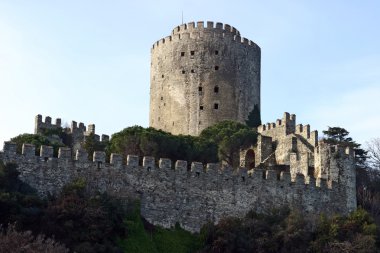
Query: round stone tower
201, 75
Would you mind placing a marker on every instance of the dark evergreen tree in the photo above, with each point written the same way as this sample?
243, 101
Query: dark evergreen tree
339, 135
254, 117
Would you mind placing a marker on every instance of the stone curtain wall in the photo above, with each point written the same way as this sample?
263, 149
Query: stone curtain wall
171, 194
200, 75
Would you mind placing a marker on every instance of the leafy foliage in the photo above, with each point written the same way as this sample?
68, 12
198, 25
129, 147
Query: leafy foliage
356, 233
91, 144
13, 241
220, 142
18, 201
144, 237
229, 137
254, 117
37, 140
152, 142
285, 231
338, 135
85, 223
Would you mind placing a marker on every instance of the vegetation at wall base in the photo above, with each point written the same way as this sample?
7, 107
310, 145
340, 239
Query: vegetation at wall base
85, 222
144, 237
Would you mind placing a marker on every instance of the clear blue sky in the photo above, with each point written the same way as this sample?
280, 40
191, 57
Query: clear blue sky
89, 60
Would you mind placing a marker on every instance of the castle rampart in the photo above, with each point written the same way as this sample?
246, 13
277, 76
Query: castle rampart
190, 197
40, 124
77, 132
201, 75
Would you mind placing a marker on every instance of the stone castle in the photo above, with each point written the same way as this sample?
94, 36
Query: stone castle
201, 75
289, 165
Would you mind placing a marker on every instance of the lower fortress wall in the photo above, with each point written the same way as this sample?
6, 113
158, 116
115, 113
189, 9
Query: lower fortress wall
171, 194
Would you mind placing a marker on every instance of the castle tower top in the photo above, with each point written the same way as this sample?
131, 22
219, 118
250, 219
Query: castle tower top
202, 74
201, 25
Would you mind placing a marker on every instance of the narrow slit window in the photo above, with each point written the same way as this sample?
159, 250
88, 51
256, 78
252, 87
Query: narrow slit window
183, 71
199, 88
162, 76
201, 107
162, 98
216, 67
216, 89
216, 106
192, 52
182, 53
216, 52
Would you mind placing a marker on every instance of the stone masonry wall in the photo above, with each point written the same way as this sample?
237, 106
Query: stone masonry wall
293, 145
200, 75
191, 198
77, 132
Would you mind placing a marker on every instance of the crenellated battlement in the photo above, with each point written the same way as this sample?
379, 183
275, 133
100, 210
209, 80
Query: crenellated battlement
205, 26
334, 150
197, 169
287, 126
75, 127
173, 192
78, 132
40, 125
199, 29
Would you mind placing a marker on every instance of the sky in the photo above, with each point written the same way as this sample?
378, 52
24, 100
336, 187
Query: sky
89, 60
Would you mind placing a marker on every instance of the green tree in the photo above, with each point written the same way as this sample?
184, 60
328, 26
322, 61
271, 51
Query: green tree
230, 137
254, 117
84, 222
37, 140
18, 201
152, 142
338, 135
91, 144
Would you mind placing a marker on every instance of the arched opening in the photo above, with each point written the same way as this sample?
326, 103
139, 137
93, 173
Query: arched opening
250, 159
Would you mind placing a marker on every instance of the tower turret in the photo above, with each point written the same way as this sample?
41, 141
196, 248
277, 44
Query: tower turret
201, 75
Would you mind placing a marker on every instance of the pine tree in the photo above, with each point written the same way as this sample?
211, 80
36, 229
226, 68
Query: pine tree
254, 117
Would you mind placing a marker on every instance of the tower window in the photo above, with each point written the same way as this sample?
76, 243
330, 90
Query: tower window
216, 89
162, 98
216, 106
201, 107
216, 67
182, 53
216, 52
162, 76
192, 52
192, 71
199, 88
183, 71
